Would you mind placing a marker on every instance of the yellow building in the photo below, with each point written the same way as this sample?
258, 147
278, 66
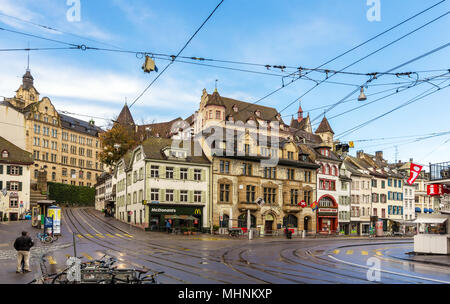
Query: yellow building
65, 147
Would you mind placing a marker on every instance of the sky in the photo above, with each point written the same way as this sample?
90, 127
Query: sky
297, 33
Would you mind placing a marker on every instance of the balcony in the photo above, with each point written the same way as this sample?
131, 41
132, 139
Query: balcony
247, 206
288, 208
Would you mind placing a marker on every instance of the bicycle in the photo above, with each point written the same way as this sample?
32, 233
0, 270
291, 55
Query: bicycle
135, 279
46, 238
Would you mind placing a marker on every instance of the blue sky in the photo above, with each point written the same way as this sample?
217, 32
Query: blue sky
292, 33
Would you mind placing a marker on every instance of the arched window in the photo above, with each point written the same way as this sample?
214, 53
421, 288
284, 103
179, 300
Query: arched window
326, 202
290, 221
322, 168
242, 221
225, 220
333, 170
5, 154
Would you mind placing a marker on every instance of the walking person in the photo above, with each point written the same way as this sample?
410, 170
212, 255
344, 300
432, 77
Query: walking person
23, 245
168, 226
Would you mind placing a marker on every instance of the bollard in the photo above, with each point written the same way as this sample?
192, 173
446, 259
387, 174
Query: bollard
303, 234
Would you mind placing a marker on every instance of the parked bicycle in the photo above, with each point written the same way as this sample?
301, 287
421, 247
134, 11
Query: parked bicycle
46, 238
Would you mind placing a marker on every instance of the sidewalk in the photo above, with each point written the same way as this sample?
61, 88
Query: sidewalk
439, 260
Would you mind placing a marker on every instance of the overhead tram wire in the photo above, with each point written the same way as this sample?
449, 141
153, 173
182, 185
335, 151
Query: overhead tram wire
397, 137
381, 98
40, 49
39, 37
50, 28
376, 75
348, 51
414, 99
182, 49
407, 141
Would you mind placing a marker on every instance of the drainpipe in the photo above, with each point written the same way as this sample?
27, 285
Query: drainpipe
211, 204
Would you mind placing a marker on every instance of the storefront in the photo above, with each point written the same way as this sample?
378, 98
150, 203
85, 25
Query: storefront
327, 215
178, 216
365, 228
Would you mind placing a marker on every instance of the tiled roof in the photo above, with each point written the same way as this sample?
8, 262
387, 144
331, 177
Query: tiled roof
153, 149
79, 125
324, 126
125, 118
15, 154
163, 129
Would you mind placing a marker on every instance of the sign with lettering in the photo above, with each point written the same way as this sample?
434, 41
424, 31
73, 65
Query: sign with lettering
414, 173
163, 210
327, 210
435, 189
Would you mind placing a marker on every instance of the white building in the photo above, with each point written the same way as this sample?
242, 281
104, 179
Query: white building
343, 193
12, 126
14, 180
160, 182
409, 192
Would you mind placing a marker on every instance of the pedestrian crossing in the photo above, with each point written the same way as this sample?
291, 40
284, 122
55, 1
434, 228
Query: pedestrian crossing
103, 236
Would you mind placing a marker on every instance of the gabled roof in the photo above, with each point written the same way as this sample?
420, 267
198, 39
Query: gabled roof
15, 154
324, 126
125, 118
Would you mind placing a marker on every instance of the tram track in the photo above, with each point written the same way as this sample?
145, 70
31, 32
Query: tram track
101, 242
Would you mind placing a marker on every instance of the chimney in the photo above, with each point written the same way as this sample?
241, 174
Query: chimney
379, 155
359, 154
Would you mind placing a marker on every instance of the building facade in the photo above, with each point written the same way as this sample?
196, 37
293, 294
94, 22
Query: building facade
67, 148
15, 164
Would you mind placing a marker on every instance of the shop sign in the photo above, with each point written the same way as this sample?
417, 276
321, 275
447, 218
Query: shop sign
163, 210
198, 211
435, 189
327, 210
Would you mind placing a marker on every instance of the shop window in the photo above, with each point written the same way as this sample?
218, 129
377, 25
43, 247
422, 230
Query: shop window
290, 221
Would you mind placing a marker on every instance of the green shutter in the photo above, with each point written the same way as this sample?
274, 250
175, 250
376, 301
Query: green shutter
162, 172
203, 200
176, 195
20, 170
20, 186
190, 174
191, 196
203, 176
162, 195
176, 173
1, 169
8, 170
8, 186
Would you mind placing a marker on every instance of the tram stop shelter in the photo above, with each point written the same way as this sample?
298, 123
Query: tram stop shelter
39, 211
433, 234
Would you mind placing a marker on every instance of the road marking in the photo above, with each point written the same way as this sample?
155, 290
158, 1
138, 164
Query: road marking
349, 252
119, 235
364, 252
51, 260
89, 235
82, 218
336, 251
128, 235
87, 256
379, 253
111, 236
80, 236
391, 272
100, 236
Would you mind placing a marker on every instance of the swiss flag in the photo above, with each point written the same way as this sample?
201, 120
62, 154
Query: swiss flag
414, 173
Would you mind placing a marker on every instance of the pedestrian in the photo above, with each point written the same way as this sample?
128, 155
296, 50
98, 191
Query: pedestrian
23, 245
168, 226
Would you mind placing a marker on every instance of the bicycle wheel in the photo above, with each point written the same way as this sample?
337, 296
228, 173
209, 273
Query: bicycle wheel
55, 238
48, 239
60, 278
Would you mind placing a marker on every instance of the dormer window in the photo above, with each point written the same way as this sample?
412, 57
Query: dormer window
5, 154
325, 152
235, 108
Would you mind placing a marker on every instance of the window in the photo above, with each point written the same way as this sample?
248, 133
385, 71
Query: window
169, 172
46, 131
307, 197
54, 133
36, 141
64, 160
291, 174
218, 115
270, 172
53, 176
154, 171
197, 174
65, 136
389, 182
294, 196
88, 175
269, 195
251, 193
13, 202
224, 193
169, 195
184, 173
81, 151
374, 183
80, 174
183, 196
247, 149
154, 194
37, 129
308, 176
197, 196
64, 172
290, 155
247, 169
224, 166
14, 186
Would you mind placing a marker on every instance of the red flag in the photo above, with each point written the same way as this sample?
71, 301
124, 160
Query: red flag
414, 172
302, 204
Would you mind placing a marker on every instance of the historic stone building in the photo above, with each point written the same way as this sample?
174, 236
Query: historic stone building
65, 147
